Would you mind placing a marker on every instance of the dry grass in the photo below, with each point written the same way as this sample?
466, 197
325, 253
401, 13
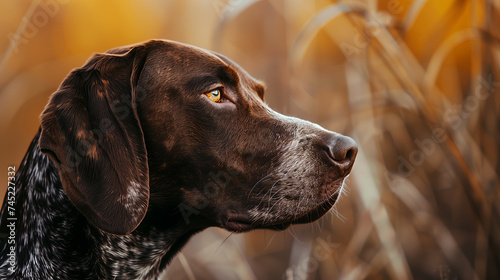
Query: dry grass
416, 83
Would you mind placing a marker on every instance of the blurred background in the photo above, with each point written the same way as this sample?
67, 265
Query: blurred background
416, 83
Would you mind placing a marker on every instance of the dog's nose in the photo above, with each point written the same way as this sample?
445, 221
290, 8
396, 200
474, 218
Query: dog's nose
341, 150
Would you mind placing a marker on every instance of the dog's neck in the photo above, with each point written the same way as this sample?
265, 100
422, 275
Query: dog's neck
54, 240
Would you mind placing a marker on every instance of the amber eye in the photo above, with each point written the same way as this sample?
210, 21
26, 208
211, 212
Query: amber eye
214, 95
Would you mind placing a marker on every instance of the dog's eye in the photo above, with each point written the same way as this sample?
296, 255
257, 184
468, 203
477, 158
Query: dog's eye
214, 95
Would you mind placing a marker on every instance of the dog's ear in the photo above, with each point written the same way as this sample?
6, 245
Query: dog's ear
91, 131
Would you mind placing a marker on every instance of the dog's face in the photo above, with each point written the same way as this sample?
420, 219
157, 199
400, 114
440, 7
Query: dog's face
197, 141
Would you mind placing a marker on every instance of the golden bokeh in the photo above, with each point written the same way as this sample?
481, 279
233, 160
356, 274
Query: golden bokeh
416, 83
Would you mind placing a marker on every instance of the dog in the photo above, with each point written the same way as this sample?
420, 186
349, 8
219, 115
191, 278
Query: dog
146, 145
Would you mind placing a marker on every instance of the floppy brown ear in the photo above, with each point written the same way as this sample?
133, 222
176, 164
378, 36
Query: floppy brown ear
91, 131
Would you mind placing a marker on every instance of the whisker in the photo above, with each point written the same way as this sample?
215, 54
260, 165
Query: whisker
255, 185
293, 234
269, 242
268, 192
223, 241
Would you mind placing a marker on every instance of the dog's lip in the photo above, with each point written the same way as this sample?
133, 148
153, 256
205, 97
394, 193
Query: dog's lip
238, 226
247, 225
238, 222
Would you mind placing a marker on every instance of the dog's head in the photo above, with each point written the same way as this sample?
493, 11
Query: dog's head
182, 134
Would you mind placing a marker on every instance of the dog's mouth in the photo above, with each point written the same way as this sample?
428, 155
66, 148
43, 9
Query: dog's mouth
244, 224
238, 222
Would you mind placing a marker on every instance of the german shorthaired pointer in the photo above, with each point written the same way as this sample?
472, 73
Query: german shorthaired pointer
146, 145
